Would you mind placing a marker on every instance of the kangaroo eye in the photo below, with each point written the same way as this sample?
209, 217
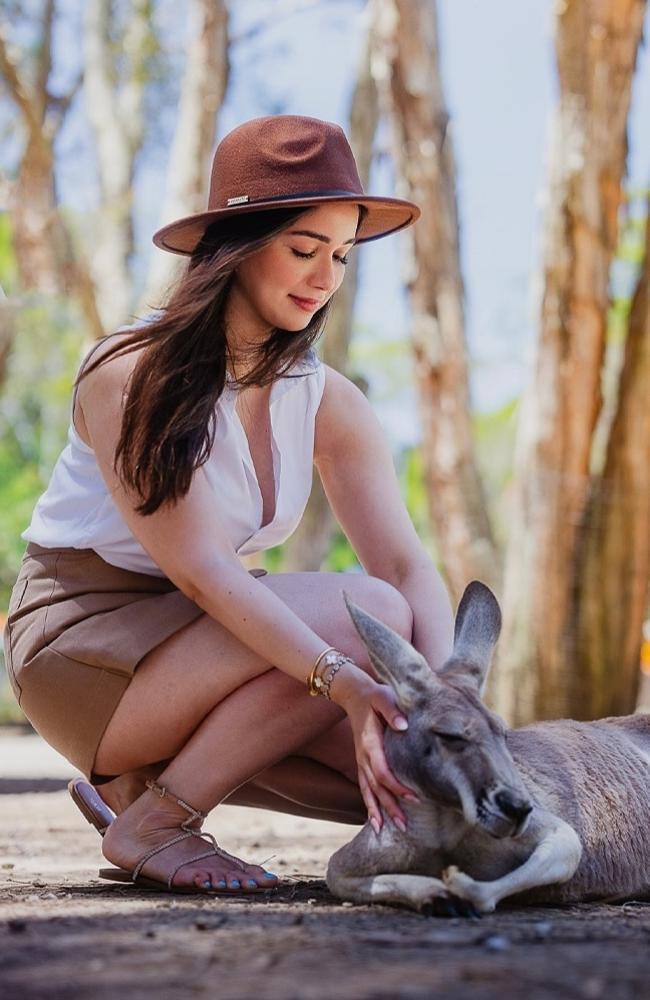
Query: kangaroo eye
453, 740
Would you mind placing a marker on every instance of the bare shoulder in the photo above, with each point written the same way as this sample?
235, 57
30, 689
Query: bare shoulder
344, 412
104, 382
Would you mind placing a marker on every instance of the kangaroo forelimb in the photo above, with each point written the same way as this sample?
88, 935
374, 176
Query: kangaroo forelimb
554, 859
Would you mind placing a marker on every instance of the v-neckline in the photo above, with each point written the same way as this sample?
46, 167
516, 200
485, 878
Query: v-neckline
248, 458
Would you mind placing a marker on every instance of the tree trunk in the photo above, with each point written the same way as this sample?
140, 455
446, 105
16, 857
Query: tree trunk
116, 117
202, 93
406, 67
596, 44
46, 259
310, 544
613, 563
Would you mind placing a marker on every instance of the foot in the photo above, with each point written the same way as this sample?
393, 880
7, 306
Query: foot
122, 791
149, 822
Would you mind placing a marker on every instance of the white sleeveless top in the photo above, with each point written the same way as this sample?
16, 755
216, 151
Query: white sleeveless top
77, 510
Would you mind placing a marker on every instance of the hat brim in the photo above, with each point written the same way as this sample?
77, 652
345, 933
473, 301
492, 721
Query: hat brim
385, 216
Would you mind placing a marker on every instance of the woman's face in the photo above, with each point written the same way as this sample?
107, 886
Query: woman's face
285, 283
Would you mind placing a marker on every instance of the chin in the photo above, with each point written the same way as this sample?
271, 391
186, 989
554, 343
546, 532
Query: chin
295, 326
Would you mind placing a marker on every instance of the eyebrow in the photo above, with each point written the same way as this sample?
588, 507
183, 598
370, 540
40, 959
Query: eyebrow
317, 236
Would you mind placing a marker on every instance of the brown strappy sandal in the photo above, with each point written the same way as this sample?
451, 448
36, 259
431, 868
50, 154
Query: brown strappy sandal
122, 875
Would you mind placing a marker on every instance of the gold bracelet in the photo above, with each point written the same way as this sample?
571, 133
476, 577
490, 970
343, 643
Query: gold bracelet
315, 683
341, 660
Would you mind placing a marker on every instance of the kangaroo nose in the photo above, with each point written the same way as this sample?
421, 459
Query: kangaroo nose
513, 806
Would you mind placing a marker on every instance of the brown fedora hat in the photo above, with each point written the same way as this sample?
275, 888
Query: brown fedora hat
283, 161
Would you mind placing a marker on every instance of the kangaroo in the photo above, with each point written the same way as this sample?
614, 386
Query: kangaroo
553, 812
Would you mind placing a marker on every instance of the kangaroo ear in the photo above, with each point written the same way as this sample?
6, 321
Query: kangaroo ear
478, 624
395, 660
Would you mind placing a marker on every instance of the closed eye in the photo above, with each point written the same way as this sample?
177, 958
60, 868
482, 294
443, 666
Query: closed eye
308, 256
453, 740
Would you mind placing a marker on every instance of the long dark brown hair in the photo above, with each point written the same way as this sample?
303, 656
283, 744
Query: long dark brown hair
168, 422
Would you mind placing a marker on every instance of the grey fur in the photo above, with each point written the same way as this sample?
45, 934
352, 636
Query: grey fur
553, 812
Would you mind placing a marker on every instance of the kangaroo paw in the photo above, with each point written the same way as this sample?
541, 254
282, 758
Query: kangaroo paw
478, 895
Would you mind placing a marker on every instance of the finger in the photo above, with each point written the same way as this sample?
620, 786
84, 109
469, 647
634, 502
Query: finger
387, 802
385, 704
378, 764
371, 803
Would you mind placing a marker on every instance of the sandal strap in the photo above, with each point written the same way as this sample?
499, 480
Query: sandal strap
200, 835
156, 850
190, 861
188, 831
163, 792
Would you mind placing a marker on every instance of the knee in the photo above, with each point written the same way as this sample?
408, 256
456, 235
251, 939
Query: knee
387, 604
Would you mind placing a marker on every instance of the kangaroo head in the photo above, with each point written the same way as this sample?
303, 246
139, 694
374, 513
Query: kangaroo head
454, 750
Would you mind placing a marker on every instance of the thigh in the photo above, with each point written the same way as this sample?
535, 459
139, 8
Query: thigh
179, 681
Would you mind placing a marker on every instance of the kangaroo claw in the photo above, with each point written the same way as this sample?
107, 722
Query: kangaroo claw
449, 906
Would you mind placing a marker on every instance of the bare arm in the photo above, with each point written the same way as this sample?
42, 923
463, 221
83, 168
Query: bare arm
189, 542
358, 475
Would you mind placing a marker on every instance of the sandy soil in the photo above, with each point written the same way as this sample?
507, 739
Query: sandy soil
66, 934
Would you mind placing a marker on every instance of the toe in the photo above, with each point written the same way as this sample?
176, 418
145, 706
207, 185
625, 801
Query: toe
202, 878
261, 876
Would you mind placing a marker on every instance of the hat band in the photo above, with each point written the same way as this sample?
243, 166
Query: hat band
244, 199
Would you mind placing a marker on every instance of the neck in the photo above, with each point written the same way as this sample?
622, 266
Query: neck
244, 332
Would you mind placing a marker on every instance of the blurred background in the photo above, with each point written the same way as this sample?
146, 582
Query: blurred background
504, 341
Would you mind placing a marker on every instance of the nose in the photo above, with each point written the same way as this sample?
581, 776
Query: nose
514, 806
324, 274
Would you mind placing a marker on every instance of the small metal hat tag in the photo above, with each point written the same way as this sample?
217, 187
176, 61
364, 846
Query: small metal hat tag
241, 200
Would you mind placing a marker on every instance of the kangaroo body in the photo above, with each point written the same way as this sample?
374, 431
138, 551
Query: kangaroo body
555, 812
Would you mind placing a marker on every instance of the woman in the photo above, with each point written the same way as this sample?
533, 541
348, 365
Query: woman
137, 644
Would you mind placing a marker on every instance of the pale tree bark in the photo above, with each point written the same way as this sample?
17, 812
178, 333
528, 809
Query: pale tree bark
309, 545
613, 563
115, 113
46, 260
202, 93
406, 67
596, 45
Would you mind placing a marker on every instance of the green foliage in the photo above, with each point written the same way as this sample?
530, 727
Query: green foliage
411, 474
341, 557
9, 709
7, 256
494, 437
34, 417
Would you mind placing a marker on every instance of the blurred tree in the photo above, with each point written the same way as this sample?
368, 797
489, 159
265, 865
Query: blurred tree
309, 546
116, 52
406, 67
45, 256
203, 89
567, 555
612, 567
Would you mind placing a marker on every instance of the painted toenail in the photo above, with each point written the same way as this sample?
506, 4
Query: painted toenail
252, 882
270, 874
236, 884
222, 883
207, 884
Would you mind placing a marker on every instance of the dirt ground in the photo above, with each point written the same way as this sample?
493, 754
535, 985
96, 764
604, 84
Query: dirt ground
66, 934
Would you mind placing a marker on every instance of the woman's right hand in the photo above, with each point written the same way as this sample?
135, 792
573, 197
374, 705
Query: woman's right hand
370, 707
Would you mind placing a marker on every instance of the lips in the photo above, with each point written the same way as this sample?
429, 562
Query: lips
309, 305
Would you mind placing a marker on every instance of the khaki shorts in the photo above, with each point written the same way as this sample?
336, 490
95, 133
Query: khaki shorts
76, 630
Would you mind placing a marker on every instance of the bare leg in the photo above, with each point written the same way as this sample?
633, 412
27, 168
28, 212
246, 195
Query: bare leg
318, 782
208, 702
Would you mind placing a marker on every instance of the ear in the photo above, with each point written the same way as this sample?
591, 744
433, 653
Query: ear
395, 660
478, 624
